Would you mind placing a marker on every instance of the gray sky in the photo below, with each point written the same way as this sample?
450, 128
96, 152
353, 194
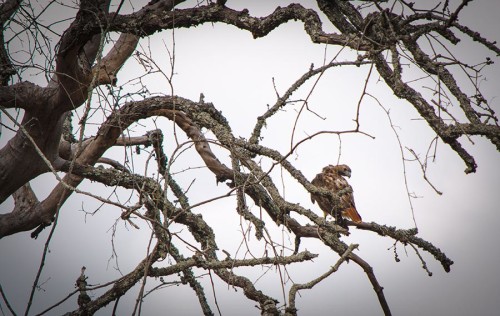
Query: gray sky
235, 73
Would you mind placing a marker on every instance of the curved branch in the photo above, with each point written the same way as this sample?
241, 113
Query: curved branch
426, 111
42, 213
147, 22
408, 236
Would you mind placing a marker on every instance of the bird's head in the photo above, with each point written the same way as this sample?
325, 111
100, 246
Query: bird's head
342, 170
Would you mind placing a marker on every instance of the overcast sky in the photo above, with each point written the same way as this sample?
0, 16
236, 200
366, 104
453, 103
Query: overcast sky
235, 73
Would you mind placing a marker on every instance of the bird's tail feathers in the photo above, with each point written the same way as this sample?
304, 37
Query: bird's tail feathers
353, 214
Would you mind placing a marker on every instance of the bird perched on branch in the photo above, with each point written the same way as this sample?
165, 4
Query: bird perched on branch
332, 179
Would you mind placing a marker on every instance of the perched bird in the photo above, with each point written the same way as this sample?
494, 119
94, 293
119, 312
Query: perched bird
332, 179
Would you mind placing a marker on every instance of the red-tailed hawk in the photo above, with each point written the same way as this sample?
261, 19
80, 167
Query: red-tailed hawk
332, 179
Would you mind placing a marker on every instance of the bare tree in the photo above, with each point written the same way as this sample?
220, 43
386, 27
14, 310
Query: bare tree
386, 37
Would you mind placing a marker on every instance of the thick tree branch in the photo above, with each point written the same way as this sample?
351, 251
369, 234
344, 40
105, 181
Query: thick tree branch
25, 95
106, 70
44, 123
77, 52
153, 19
408, 236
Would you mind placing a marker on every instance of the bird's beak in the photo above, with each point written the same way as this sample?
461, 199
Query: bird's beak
348, 174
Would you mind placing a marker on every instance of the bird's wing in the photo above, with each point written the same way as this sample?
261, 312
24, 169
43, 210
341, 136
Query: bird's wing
317, 181
347, 200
